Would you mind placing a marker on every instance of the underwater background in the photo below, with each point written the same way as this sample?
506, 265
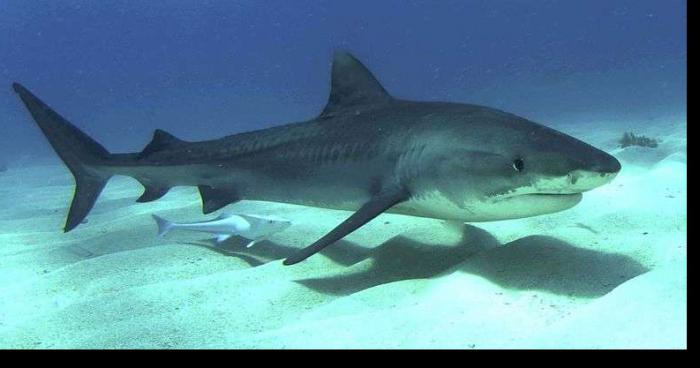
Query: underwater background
609, 273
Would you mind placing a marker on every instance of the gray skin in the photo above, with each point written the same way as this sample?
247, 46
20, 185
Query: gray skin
367, 152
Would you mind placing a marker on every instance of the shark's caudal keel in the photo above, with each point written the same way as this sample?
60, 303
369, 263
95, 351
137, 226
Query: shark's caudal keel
367, 152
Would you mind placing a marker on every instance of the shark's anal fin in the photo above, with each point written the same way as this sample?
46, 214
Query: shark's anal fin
151, 193
215, 198
378, 204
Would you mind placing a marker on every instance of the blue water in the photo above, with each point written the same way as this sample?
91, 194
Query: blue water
200, 69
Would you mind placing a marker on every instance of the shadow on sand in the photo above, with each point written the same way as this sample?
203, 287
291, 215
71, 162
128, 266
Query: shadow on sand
530, 263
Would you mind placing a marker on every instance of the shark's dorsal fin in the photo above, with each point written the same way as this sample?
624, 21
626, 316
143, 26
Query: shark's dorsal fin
352, 86
161, 140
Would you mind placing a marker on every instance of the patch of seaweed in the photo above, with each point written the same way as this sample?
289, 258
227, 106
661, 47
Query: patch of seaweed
631, 139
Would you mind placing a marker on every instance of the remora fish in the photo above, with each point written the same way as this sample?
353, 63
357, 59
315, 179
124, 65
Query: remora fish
366, 152
252, 227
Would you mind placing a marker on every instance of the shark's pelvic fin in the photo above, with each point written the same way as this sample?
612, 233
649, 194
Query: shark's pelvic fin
352, 86
151, 193
215, 198
378, 204
161, 140
77, 150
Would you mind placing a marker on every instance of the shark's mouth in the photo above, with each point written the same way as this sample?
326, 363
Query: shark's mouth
531, 204
513, 194
553, 195
541, 197
538, 199
542, 194
566, 187
550, 194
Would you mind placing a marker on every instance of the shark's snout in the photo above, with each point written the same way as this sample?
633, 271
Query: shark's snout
594, 169
603, 170
606, 164
600, 171
593, 172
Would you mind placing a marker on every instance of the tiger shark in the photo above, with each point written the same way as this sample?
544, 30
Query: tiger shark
366, 152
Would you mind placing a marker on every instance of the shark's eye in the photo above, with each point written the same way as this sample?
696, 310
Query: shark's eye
518, 164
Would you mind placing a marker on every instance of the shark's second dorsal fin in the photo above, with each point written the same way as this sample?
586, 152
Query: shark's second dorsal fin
352, 86
161, 140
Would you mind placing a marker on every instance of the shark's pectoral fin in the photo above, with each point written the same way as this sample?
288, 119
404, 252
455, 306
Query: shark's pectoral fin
378, 204
151, 193
214, 198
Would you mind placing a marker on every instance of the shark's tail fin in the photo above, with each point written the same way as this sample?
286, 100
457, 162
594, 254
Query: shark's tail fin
77, 150
163, 225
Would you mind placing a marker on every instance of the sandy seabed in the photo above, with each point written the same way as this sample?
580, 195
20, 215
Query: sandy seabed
609, 273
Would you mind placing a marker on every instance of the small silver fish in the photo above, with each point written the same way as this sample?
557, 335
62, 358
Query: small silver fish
252, 227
